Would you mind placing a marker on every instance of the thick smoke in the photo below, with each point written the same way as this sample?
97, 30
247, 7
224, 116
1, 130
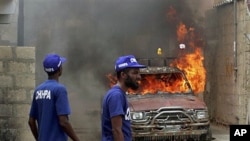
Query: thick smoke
91, 34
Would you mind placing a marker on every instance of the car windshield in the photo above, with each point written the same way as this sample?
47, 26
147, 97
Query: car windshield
169, 83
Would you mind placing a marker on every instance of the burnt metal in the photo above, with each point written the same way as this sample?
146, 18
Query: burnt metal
169, 116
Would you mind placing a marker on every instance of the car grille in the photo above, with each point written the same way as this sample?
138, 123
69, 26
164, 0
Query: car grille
170, 122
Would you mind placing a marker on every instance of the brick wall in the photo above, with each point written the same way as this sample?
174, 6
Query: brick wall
17, 81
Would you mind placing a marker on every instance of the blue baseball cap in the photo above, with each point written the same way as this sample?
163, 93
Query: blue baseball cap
52, 62
127, 61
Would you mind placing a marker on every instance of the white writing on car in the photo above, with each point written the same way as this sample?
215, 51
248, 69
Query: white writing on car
43, 94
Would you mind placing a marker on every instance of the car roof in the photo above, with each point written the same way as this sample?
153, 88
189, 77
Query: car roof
159, 70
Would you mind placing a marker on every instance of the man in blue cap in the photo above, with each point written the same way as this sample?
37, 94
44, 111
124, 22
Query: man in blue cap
50, 107
115, 110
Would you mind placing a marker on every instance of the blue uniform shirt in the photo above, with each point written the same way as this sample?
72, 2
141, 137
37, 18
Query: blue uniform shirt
50, 100
115, 103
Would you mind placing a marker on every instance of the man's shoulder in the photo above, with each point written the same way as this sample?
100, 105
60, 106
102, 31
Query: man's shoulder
50, 85
115, 90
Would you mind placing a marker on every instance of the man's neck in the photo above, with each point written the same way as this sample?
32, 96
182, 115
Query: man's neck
122, 86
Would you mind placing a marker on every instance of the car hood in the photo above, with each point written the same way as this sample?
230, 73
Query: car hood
141, 103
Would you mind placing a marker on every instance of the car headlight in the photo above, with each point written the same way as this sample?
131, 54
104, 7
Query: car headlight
137, 115
202, 114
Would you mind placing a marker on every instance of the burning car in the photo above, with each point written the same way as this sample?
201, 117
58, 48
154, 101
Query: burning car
166, 108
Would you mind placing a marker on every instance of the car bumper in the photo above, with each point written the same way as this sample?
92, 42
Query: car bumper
176, 132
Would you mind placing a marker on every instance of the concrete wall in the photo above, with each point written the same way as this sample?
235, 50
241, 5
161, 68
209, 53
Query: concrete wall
17, 75
227, 63
243, 38
8, 22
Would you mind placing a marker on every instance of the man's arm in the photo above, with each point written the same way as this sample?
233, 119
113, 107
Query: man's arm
116, 122
67, 128
33, 127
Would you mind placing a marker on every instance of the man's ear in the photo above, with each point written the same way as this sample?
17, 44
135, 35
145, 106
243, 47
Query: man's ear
123, 74
60, 70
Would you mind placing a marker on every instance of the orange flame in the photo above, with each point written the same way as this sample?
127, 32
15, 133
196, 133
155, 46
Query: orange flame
190, 62
182, 32
112, 79
154, 83
192, 65
172, 15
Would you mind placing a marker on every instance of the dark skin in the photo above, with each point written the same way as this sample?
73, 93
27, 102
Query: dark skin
33, 127
116, 121
63, 119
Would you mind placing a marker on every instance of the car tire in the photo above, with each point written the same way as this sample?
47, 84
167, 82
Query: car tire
207, 136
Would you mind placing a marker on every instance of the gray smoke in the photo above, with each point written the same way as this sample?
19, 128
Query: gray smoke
91, 34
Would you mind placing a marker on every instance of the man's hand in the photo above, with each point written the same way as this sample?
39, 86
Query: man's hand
67, 128
33, 127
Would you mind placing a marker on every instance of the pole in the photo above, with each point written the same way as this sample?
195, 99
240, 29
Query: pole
20, 25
